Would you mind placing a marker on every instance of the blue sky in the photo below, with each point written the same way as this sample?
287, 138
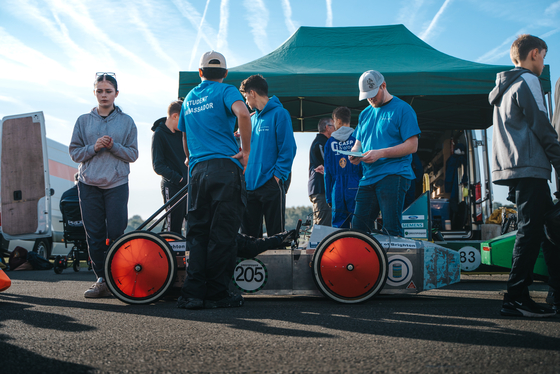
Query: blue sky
50, 51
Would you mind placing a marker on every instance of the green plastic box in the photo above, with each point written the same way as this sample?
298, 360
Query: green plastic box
498, 252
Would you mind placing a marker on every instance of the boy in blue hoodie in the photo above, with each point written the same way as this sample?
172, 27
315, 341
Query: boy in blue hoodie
341, 177
273, 149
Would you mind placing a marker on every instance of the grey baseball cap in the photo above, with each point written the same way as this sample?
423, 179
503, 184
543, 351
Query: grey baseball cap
369, 84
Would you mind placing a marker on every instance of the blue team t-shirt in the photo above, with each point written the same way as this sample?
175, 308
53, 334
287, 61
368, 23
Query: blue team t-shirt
385, 127
208, 121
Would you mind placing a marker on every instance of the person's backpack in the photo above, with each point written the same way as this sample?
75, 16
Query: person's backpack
17, 257
38, 262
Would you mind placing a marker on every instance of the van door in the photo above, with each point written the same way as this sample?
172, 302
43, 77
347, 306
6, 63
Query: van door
24, 178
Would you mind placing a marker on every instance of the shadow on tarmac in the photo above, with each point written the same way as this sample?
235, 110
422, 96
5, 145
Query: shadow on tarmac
465, 320
19, 360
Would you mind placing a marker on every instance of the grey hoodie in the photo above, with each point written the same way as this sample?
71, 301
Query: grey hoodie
343, 133
524, 142
106, 168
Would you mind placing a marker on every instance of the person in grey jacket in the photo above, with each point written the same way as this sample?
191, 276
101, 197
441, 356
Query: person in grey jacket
525, 145
104, 143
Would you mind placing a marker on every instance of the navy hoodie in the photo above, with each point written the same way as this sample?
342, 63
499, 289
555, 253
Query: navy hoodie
168, 155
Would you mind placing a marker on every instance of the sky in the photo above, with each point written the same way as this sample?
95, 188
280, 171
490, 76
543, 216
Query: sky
50, 51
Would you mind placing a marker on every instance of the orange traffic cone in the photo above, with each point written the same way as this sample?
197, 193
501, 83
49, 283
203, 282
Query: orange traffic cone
5, 282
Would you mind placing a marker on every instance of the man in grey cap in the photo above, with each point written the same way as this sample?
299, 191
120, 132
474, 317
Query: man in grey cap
217, 196
386, 136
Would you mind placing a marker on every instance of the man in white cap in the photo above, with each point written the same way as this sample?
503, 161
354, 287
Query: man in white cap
217, 196
386, 135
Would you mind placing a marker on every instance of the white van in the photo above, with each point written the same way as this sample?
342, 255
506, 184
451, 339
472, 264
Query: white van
34, 173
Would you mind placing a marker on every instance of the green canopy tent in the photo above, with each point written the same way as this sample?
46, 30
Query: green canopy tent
317, 69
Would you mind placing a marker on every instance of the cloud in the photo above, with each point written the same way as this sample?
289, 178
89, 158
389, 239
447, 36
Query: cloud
23, 63
409, 11
429, 31
257, 16
500, 51
223, 29
329, 21
552, 9
80, 16
150, 38
286, 7
56, 31
208, 34
549, 33
11, 100
197, 40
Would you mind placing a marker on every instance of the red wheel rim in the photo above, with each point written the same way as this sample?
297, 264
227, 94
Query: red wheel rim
139, 268
349, 267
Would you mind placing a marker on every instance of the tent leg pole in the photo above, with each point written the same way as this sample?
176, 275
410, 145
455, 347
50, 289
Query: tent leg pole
301, 113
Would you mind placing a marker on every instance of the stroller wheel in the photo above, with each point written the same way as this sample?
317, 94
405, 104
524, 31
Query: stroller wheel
140, 267
59, 264
76, 265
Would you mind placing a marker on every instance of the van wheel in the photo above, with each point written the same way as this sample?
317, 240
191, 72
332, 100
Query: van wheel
42, 247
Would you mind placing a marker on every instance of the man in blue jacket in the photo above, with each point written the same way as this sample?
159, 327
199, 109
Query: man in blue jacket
525, 145
341, 177
273, 149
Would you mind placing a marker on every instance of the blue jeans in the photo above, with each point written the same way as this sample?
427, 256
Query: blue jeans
105, 216
387, 196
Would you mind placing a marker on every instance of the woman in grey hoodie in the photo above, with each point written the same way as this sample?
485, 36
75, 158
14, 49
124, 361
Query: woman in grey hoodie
104, 143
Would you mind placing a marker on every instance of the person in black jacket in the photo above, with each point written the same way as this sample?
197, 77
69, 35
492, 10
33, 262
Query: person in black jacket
168, 160
316, 184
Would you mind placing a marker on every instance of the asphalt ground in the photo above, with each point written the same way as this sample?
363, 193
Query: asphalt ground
47, 326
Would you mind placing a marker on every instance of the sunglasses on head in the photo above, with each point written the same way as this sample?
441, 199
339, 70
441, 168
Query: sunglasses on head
100, 74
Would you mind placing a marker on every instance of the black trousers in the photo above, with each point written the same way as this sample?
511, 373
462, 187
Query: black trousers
533, 200
269, 200
174, 220
216, 203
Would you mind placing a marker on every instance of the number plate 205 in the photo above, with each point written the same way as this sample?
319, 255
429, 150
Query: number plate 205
250, 275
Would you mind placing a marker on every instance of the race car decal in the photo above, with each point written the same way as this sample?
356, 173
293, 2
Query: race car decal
400, 271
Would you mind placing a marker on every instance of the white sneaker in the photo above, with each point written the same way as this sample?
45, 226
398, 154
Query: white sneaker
98, 289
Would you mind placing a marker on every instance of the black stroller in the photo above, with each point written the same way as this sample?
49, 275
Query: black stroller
74, 234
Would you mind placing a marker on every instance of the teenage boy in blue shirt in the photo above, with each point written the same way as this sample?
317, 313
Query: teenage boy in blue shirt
273, 149
217, 196
387, 135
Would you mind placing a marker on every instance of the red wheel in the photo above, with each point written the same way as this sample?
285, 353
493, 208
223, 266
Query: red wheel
349, 266
140, 267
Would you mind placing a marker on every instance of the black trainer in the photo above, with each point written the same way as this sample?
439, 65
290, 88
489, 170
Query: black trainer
190, 303
553, 299
524, 306
231, 301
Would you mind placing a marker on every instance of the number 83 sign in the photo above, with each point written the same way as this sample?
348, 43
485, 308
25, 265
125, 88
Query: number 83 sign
470, 258
250, 275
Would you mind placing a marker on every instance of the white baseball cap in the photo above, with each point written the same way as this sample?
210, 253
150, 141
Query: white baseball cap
369, 84
213, 59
